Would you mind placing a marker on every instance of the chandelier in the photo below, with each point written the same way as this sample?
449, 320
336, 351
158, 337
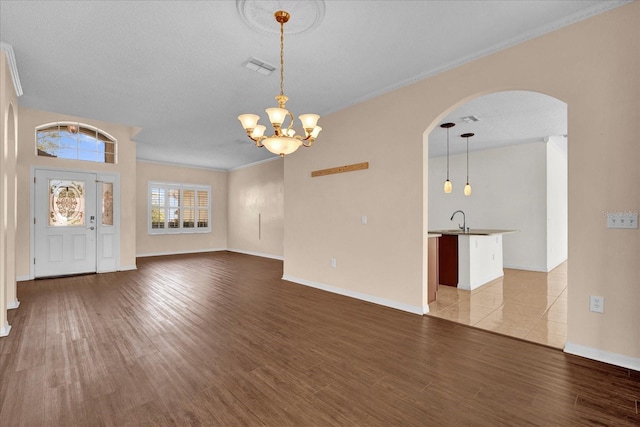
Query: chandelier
284, 139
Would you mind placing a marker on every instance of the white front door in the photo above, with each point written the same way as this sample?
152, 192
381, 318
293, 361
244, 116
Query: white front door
65, 223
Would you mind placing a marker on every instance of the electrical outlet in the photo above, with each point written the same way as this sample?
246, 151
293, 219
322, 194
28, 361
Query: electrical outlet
333, 263
596, 304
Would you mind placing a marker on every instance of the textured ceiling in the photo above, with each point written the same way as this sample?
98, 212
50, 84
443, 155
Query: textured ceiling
504, 118
174, 68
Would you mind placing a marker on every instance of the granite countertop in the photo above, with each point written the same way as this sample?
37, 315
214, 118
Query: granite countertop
472, 232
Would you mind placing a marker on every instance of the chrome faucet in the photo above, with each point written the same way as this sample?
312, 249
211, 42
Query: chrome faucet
464, 221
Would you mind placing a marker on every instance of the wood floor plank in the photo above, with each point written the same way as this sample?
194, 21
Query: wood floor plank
31, 350
220, 339
64, 405
24, 401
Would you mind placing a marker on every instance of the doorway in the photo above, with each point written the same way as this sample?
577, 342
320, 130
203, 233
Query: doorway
75, 226
517, 165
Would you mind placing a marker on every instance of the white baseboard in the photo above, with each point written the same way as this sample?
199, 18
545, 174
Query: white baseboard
13, 304
128, 267
357, 295
526, 268
23, 278
4, 330
180, 252
557, 264
240, 251
603, 356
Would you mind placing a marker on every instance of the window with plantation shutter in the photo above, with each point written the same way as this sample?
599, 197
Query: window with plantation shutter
179, 208
203, 208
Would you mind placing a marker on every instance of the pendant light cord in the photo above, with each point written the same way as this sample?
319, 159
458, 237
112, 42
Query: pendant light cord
447, 154
467, 160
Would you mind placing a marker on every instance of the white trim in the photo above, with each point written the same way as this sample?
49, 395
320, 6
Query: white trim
23, 278
197, 251
527, 268
425, 309
128, 268
4, 330
557, 265
357, 295
260, 254
603, 356
179, 165
13, 68
13, 304
271, 159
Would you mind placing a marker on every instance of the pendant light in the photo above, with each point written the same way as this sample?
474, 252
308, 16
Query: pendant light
467, 187
447, 184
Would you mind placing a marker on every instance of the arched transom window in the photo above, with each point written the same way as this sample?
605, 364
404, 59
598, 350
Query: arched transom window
76, 141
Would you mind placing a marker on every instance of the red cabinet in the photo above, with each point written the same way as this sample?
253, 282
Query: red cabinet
448, 260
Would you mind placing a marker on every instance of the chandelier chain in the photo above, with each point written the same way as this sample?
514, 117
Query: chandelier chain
281, 58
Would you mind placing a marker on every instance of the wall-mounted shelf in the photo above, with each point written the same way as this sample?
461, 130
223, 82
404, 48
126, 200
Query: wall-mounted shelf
340, 169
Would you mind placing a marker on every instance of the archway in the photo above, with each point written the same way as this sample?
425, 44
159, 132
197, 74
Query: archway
517, 165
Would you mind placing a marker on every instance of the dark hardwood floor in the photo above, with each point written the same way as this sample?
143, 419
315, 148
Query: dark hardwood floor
220, 339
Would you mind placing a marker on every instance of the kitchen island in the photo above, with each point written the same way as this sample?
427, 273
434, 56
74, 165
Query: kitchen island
469, 259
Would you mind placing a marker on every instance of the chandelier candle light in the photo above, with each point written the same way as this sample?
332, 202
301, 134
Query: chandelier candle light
467, 187
284, 139
447, 184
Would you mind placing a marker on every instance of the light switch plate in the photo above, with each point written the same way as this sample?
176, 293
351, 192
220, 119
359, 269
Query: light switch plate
622, 220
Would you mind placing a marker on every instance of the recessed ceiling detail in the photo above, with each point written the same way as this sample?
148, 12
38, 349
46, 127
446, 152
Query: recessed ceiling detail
258, 15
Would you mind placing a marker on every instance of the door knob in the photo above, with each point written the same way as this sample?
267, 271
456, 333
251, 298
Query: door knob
92, 228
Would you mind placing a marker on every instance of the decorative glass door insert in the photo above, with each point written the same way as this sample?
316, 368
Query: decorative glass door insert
107, 203
66, 203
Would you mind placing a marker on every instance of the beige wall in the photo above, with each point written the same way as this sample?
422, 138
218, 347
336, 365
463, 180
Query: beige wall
256, 209
159, 244
125, 167
8, 217
593, 66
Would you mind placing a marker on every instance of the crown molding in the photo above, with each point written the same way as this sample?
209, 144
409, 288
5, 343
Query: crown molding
179, 165
13, 68
248, 165
600, 7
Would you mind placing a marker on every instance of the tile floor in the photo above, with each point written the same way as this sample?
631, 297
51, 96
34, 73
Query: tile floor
523, 304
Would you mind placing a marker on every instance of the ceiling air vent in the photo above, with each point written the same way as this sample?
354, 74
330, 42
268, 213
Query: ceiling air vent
470, 119
258, 66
